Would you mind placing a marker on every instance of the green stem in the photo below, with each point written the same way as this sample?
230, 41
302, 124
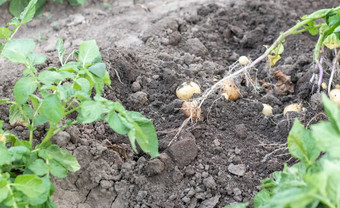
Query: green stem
11, 193
71, 111
324, 200
49, 134
15, 31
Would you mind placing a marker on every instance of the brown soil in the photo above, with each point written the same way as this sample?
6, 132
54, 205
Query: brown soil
216, 161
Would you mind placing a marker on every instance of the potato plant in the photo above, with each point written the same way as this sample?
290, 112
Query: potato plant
315, 180
17, 6
48, 98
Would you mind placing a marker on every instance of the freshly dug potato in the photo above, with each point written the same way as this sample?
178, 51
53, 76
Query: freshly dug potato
229, 90
292, 108
243, 60
267, 109
191, 109
334, 95
324, 86
186, 90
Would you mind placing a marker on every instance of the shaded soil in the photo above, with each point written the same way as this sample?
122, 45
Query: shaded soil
215, 161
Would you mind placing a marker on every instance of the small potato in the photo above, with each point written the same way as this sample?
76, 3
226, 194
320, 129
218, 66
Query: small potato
186, 90
229, 90
243, 60
292, 108
324, 86
337, 86
267, 109
191, 109
334, 95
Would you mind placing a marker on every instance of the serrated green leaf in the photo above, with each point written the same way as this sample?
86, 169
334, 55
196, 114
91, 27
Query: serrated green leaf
65, 92
17, 116
90, 111
89, 53
301, 144
18, 50
30, 185
4, 159
98, 69
332, 19
52, 109
28, 13
23, 88
63, 157
4, 33
57, 170
39, 167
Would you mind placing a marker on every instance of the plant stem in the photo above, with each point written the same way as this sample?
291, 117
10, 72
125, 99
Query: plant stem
320, 73
333, 69
11, 193
15, 31
49, 134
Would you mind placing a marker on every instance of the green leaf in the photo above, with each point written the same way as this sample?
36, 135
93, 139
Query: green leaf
118, 123
89, 53
98, 69
23, 88
38, 167
332, 19
17, 116
29, 11
39, 120
39, 7
107, 79
18, 152
261, 198
332, 111
82, 84
30, 185
57, 170
4, 192
317, 15
35, 59
327, 138
50, 77
4, 159
18, 50
52, 108
239, 205
144, 133
90, 111
17, 6
2, 2
332, 41
4, 33
76, 2
301, 144
293, 197
63, 157
60, 49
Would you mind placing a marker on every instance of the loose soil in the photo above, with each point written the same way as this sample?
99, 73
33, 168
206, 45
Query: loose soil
216, 161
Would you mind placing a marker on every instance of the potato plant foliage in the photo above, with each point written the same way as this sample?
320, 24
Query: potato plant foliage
17, 6
315, 180
48, 98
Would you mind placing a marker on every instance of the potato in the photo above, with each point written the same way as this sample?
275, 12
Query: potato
191, 109
324, 86
243, 60
229, 90
267, 109
186, 90
334, 95
292, 108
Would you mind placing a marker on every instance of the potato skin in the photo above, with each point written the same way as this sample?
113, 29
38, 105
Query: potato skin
334, 95
230, 90
186, 90
292, 108
191, 109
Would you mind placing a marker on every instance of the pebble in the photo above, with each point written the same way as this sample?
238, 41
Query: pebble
238, 170
61, 138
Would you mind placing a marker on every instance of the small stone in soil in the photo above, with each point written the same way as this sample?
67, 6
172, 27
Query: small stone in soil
61, 139
154, 167
241, 131
238, 170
